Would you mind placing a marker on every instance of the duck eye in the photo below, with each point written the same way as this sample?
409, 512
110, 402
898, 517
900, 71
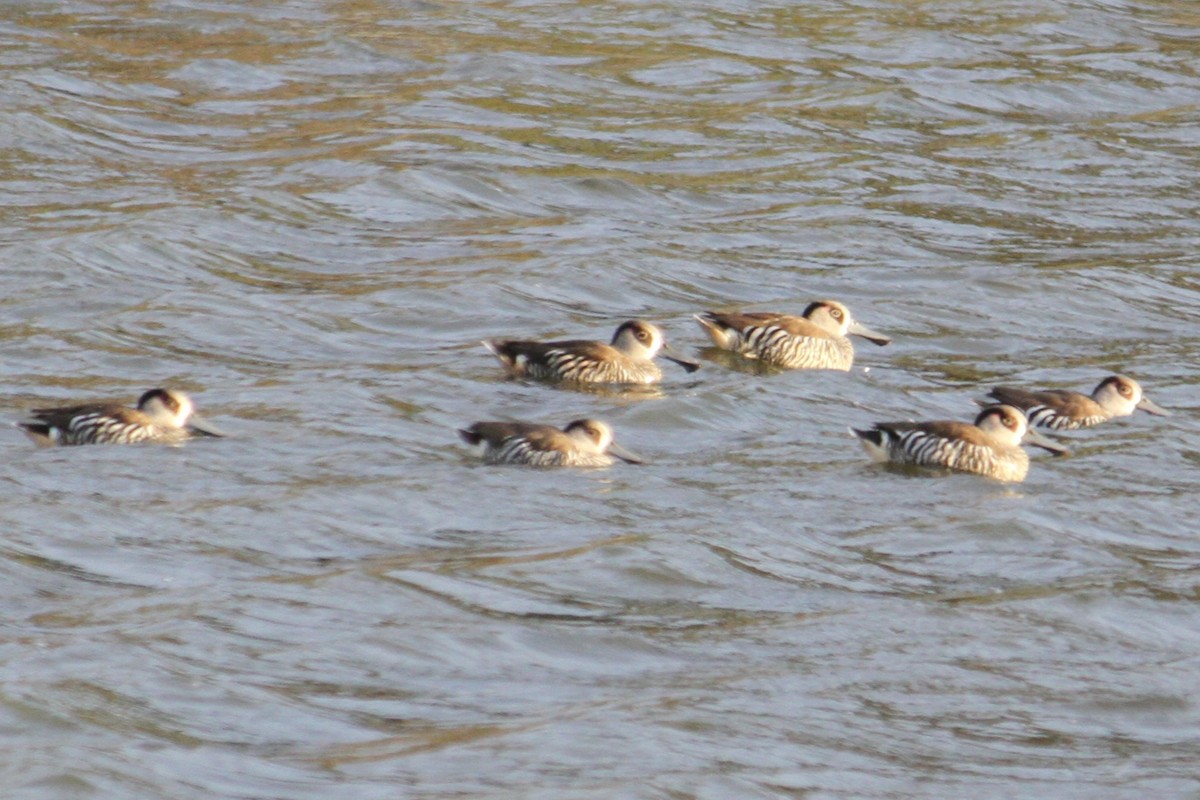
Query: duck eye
836, 313
643, 335
1125, 390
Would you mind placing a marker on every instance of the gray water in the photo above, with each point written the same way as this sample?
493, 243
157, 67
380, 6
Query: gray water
306, 214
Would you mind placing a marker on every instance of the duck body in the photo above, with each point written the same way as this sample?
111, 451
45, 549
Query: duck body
628, 359
582, 443
991, 446
162, 416
817, 339
1061, 409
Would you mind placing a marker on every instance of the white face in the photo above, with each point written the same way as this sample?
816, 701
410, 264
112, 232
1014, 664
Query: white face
833, 317
1119, 395
164, 414
591, 433
640, 336
1004, 423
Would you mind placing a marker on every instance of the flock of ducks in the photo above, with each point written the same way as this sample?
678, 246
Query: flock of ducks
817, 339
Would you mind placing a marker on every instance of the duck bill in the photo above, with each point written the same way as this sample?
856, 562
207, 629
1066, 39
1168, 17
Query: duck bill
671, 355
1038, 440
202, 427
615, 449
1151, 407
858, 329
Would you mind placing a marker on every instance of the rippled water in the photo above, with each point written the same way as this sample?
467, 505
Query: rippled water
308, 213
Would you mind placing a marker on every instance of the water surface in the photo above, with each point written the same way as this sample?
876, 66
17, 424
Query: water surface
307, 215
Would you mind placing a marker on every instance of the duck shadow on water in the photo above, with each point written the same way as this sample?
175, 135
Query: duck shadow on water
737, 362
625, 391
981, 484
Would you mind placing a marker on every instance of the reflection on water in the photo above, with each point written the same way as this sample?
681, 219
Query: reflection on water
307, 215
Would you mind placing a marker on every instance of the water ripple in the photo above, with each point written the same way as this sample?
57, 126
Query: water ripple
308, 214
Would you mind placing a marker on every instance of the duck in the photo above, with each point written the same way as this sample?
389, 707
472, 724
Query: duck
817, 339
990, 446
627, 359
161, 416
1061, 409
582, 443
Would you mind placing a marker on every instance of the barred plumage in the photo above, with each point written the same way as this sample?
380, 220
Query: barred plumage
518, 450
1046, 417
565, 365
773, 345
814, 340
990, 447
101, 429
628, 359
926, 449
162, 416
583, 443
1060, 409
